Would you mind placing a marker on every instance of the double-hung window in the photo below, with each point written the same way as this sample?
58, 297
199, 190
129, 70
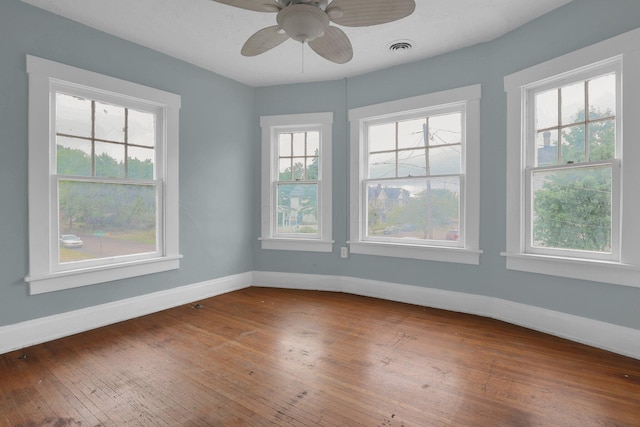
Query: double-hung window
414, 177
296, 182
570, 205
103, 178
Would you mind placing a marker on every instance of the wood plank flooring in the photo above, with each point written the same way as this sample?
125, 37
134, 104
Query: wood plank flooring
274, 357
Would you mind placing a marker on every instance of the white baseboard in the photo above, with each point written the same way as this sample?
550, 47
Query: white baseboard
25, 334
607, 336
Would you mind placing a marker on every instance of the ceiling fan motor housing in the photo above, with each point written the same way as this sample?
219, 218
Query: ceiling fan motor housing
303, 22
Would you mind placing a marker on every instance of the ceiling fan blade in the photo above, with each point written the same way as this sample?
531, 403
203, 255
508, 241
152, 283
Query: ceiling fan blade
363, 13
334, 45
255, 5
262, 41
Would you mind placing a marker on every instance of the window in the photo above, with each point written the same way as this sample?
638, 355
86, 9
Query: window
414, 177
566, 204
296, 182
102, 178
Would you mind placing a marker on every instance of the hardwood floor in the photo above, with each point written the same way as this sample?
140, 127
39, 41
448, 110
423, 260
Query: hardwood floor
303, 358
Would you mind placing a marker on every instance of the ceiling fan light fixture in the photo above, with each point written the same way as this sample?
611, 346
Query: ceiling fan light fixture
303, 22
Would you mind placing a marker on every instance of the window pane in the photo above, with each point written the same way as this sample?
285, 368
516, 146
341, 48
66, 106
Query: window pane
572, 208
573, 145
445, 160
382, 165
382, 137
572, 103
73, 156
312, 168
298, 168
547, 148
411, 133
109, 122
602, 97
602, 140
425, 208
297, 210
140, 162
284, 169
313, 143
412, 163
107, 220
298, 144
109, 160
445, 129
546, 109
141, 128
284, 144
73, 115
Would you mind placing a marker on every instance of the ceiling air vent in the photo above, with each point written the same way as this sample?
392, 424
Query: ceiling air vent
400, 46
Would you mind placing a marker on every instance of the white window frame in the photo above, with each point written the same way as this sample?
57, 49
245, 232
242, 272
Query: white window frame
464, 99
272, 126
622, 55
46, 274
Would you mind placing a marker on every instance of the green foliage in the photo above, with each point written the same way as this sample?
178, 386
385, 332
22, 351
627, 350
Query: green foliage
572, 208
98, 206
601, 139
74, 162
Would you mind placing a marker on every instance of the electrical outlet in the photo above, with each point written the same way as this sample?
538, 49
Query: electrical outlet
344, 252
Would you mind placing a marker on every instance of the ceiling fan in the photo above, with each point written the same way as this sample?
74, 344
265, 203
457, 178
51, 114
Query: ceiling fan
307, 21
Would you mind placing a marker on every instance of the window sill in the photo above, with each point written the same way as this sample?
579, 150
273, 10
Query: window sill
575, 268
39, 284
309, 245
426, 253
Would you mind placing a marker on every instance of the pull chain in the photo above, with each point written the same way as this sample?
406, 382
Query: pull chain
302, 57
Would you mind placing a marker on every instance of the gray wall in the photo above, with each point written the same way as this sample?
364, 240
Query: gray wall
578, 24
216, 145
219, 160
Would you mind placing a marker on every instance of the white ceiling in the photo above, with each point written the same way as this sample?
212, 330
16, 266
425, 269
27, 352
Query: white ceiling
210, 34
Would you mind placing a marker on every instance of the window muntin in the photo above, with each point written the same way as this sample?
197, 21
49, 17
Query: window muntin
106, 192
389, 160
414, 178
298, 183
560, 116
572, 171
108, 147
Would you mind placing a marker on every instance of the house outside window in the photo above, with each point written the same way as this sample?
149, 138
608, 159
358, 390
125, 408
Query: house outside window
414, 177
103, 178
296, 182
569, 195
